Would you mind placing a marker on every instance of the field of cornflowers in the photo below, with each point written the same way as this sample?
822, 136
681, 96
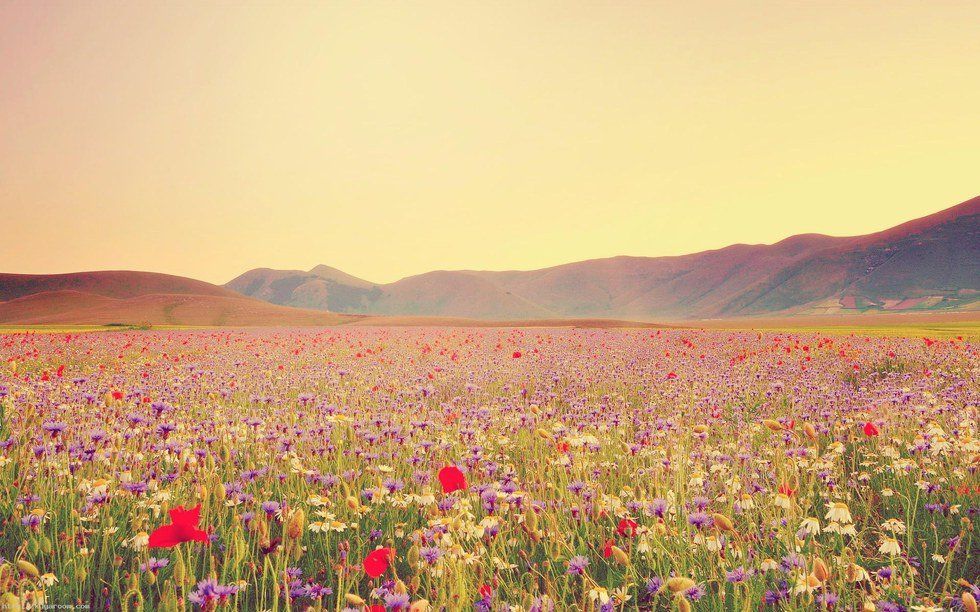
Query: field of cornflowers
488, 469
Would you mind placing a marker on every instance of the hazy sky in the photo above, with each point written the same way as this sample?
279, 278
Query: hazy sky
388, 139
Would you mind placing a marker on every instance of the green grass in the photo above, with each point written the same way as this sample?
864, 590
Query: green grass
969, 329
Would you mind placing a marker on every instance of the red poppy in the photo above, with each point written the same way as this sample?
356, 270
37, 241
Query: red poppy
377, 561
607, 549
376, 608
671, 375
452, 479
787, 490
627, 527
870, 430
117, 395
182, 528
517, 354
486, 591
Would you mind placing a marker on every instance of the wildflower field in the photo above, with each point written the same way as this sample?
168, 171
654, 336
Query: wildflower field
489, 469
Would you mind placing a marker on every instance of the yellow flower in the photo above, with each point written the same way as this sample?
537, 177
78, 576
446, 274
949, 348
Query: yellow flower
839, 513
810, 525
889, 546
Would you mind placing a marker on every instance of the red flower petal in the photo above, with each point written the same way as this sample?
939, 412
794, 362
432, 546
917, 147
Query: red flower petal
452, 479
627, 527
376, 562
182, 528
164, 537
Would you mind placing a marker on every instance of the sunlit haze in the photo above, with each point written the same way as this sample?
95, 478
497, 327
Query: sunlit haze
388, 139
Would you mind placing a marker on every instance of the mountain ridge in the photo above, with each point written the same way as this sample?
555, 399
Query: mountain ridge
801, 274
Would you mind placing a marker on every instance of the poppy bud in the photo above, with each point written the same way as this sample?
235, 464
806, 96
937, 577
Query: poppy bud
683, 604
421, 605
180, 572
531, 519
700, 429
679, 584
543, 433
773, 425
969, 602
820, 570
723, 522
620, 556
810, 431
354, 600
297, 521
400, 587
28, 568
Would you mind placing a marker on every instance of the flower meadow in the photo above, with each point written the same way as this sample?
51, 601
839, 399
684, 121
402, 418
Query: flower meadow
488, 469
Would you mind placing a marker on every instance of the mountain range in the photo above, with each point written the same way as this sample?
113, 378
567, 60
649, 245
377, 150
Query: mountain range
932, 263
124, 297
929, 265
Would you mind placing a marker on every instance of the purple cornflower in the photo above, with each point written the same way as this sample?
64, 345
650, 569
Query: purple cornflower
154, 565
53, 427
828, 599
209, 591
431, 554
654, 585
658, 507
577, 565
397, 601
700, 520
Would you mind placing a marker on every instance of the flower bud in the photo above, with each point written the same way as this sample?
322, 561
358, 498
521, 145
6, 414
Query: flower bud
679, 584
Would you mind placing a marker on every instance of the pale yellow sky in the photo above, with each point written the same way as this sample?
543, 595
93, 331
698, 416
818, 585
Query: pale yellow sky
388, 139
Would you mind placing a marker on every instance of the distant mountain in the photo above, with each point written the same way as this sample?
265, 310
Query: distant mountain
322, 288
138, 297
928, 264
109, 283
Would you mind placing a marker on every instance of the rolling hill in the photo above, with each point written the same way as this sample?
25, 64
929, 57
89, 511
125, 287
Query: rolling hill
139, 297
928, 264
